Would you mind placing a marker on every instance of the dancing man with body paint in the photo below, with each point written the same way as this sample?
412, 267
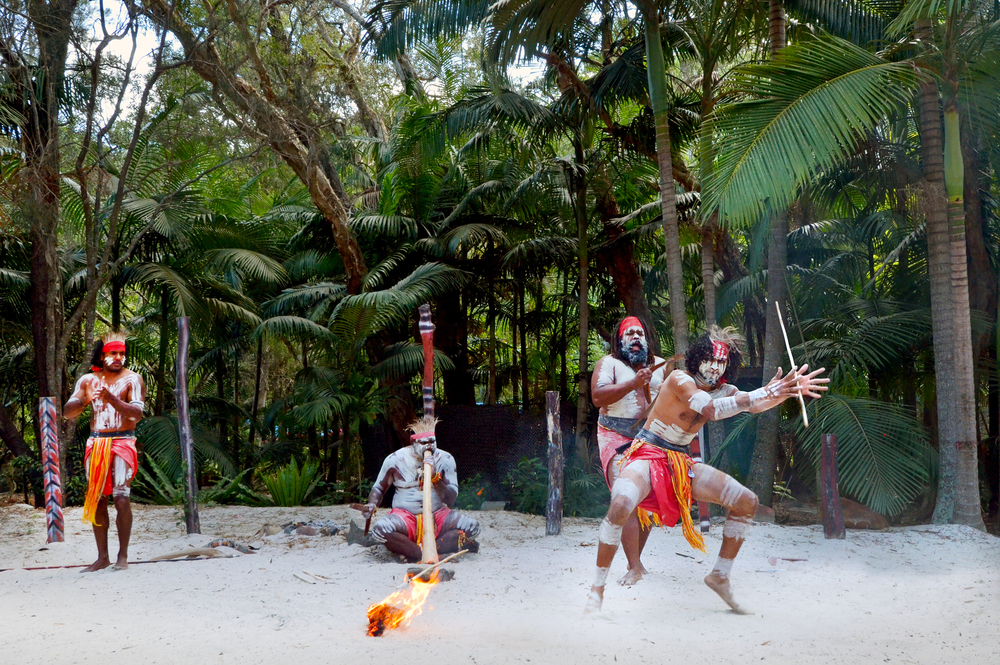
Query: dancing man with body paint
621, 384
657, 472
118, 397
400, 530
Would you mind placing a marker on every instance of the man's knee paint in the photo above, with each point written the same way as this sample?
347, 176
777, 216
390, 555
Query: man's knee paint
610, 534
625, 488
736, 527
732, 492
385, 526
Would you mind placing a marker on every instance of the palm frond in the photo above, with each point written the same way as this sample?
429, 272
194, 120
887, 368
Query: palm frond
807, 109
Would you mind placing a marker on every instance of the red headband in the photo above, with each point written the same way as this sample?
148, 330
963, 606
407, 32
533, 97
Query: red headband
111, 347
627, 323
416, 436
720, 351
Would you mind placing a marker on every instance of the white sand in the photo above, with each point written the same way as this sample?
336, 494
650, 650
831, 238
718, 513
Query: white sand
925, 594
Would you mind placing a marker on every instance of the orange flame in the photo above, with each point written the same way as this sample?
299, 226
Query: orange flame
400, 607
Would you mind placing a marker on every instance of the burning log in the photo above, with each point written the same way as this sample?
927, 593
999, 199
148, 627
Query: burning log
399, 608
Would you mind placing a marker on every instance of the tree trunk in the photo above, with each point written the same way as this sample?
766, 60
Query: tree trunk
765, 452
10, 436
967, 506
660, 99
617, 260
583, 376
256, 393
161, 371
301, 150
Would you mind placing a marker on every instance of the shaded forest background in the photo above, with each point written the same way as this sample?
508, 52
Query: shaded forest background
298, 177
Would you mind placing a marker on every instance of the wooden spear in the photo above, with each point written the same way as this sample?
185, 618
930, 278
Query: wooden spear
428, 545
784, 333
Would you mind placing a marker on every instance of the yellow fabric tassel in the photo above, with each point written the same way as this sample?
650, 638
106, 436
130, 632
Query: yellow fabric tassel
420, 528
647, 519
682, 490
99, 465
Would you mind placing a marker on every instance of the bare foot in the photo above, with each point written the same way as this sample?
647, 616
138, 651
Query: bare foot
121, 564
101, 563
720, 585
633, 575
594, 600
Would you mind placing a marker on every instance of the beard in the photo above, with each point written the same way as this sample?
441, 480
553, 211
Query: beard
634, 356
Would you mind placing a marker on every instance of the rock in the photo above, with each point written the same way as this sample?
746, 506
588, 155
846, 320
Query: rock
858, 516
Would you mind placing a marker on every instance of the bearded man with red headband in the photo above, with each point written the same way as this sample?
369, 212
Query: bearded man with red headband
400, 530
118, 397
659, 475
622, 386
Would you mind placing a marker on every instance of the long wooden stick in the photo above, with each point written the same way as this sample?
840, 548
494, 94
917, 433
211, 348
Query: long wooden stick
428, 545
432, 567
784, 333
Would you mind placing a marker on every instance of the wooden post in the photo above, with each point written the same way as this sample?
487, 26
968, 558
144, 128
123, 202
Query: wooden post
184, 429
554, 505
50, 469
833, 515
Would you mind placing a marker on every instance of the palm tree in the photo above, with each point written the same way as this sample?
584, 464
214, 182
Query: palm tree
808, 87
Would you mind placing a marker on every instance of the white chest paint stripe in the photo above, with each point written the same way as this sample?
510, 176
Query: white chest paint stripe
671, 433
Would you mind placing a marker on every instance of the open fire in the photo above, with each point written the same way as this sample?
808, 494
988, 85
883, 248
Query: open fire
400, 607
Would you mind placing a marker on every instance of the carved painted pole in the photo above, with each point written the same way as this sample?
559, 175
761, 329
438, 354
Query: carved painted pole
833, 514
427, 543
50, 469
184, 429
554, 505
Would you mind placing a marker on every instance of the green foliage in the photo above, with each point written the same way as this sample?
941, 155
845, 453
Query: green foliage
290, 485
585, 494
155, 485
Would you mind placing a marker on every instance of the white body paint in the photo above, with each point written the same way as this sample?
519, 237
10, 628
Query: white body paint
601, 576
723, 567
610, 534
699, 400
731, 492
628, 489
409, 487
759, 395
736, 527
611, 371
672, 433
106, 417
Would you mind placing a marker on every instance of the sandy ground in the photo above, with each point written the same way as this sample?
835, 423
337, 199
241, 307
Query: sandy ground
924, 594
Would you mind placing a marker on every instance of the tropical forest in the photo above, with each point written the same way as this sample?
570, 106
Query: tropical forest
292, 180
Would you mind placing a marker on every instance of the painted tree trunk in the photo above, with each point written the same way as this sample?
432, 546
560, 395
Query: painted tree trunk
660, 99
184, 429
583, 382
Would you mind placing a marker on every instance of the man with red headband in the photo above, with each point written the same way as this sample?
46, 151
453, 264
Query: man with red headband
117, 396
659, 475
622, 387
400, 530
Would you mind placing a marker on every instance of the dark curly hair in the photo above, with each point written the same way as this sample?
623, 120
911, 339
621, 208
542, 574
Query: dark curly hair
97, 357
701, 350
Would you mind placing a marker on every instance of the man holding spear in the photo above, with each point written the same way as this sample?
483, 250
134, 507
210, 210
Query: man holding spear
659, 475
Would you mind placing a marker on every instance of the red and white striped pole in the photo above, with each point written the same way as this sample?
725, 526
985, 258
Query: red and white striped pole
50, 469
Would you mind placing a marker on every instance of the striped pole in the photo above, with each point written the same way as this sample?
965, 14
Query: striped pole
50, 469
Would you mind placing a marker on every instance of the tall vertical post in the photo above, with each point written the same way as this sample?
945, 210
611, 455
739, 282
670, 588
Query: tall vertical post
554, 505
184, 429
704, 516
833, 515
50, 469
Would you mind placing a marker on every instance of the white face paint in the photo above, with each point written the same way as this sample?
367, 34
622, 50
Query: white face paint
711, 371
420, 446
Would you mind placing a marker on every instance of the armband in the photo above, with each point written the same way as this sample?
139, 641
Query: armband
139, 403
699, 400
726, 407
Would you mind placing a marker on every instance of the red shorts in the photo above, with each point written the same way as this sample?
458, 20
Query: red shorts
411, 521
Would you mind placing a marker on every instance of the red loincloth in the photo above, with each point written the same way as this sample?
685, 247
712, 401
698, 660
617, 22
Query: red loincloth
663, 499
124, 448
413, 522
